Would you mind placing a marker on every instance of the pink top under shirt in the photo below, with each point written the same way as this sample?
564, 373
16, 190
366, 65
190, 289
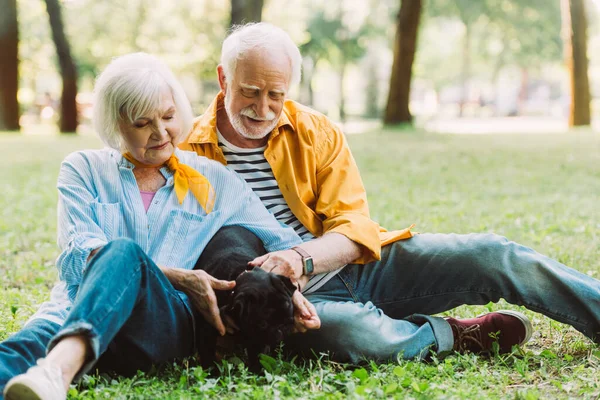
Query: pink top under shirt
147, 198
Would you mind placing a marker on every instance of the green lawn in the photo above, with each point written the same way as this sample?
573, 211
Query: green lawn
540, 190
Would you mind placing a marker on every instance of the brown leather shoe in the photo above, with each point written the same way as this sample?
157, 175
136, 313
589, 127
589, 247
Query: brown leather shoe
476, 335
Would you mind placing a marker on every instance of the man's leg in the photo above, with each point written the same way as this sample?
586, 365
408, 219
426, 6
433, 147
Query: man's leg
21, 350
432, 273
352, 332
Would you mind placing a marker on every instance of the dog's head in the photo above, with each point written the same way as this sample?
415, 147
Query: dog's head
261, 306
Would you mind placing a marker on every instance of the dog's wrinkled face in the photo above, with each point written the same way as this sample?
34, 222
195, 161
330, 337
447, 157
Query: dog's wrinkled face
261, 306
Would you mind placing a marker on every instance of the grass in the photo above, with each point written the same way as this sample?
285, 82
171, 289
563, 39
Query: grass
540, 190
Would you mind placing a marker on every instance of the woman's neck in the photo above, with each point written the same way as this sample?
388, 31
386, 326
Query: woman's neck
149, 179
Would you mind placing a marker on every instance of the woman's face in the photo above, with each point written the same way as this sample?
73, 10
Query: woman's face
151, 139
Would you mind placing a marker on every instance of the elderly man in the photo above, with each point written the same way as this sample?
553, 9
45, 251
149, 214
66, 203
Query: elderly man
373, 290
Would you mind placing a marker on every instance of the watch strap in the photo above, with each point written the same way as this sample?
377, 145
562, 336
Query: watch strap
307, 261
302, 252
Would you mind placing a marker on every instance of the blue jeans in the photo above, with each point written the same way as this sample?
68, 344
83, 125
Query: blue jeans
129, 312
378, 310
125, 306
21, 350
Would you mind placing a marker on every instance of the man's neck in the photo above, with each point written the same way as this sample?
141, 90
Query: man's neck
230, 134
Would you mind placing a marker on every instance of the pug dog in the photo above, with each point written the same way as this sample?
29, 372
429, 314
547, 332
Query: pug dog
260, 305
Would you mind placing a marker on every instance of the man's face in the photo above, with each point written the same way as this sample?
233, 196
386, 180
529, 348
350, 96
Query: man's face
254, 96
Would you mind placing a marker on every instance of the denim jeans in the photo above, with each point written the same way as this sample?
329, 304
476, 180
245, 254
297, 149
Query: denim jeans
378, 310
21, 350
130, 312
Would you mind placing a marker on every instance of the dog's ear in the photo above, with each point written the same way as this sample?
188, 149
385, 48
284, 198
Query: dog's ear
284, 283
258, 270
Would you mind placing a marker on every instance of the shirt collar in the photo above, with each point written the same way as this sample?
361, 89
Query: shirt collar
122, 162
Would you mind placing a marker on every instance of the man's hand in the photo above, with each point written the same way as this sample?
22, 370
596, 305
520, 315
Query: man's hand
305, 314
284, 262
200, 288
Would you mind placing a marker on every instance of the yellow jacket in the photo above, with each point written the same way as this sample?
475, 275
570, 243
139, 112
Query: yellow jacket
316, 173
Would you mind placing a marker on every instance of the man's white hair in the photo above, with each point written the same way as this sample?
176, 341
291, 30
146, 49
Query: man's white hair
130, 88
259, 36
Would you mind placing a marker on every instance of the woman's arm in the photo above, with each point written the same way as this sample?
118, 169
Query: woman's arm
79, 233
249, 212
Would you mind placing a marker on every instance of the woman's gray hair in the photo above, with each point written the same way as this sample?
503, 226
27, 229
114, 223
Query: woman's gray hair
130, 88
259, 36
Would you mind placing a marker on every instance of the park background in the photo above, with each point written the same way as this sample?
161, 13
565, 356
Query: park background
464, 116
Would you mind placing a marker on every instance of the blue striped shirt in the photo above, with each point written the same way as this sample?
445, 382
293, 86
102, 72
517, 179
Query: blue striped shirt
99, 201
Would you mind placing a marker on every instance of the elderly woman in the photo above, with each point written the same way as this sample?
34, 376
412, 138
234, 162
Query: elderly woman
133, 220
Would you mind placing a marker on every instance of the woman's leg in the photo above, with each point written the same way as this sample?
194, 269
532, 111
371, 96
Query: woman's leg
127, 306
21, 350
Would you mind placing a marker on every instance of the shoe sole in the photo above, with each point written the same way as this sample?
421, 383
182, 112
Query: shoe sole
20, 391
524, 320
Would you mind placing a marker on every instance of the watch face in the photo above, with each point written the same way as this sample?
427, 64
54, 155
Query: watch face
308, 265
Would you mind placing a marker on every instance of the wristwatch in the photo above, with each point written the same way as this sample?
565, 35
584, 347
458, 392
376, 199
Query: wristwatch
307, 261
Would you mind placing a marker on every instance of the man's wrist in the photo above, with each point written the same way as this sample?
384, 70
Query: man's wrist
297, 265
307, 260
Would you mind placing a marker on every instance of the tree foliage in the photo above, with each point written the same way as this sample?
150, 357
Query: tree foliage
333, 36
495, 34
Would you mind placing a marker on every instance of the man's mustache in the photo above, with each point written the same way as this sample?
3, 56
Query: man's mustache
250, 113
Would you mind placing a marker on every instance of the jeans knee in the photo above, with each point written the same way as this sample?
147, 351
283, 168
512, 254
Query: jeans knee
489, 245
118, 254
124, 246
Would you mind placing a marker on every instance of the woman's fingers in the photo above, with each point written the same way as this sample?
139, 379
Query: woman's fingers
299, 302
218, 284
212, 315
230, 325
313, 322
305, 314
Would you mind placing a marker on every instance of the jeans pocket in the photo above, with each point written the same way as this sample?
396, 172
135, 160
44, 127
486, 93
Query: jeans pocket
348, 278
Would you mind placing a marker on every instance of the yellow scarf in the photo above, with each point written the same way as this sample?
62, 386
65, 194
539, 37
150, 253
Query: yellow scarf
185, 178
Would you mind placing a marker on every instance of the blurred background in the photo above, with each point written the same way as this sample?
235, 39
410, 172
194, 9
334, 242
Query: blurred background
455, 66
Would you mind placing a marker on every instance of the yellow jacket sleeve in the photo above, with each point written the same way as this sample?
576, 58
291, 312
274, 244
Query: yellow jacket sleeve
342, 199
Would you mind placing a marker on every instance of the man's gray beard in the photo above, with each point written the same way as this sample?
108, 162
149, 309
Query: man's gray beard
238, 124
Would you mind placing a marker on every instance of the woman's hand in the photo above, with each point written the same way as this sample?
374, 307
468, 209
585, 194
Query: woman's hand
305, 314
200, 287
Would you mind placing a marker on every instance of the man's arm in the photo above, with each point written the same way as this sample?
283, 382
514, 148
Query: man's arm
329, 252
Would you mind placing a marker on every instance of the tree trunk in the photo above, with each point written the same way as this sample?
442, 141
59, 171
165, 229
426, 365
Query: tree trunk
405, 44
575, 44
68, 70
523, 91
306, 90
372, 89
466, 70
244, 11
498, 65
342, 72
9, 65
